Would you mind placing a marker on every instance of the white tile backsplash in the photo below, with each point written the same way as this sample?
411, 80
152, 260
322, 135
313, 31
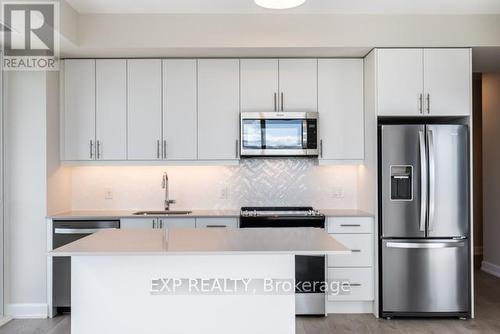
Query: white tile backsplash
253, 182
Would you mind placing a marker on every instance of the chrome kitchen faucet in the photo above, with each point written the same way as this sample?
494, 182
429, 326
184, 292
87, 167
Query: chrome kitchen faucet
168, 201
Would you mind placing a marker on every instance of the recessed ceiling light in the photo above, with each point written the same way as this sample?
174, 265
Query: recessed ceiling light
279, 4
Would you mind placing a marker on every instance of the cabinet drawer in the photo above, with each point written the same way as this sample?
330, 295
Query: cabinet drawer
177, 222
361, 246
350, 225
361, 283
217, 222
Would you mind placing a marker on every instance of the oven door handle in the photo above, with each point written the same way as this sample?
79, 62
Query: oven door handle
79, 230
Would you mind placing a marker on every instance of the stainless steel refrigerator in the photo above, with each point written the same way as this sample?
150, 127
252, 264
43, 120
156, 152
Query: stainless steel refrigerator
424, 220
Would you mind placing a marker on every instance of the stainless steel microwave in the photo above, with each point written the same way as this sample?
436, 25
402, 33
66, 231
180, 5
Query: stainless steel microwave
279, 134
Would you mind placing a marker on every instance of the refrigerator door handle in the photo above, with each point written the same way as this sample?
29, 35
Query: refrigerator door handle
423, 180
426, 245
432, 178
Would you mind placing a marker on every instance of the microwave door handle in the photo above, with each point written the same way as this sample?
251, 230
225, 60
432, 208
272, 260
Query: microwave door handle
304, 134
423, 180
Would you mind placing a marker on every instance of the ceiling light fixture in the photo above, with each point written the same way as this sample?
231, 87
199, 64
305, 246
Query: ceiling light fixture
279, 4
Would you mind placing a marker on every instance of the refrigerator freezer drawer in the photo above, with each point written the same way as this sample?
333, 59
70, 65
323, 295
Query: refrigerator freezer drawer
425, 276
360, 281
361, 246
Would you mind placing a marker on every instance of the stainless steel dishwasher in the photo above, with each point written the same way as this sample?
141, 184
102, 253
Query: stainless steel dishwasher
64, 232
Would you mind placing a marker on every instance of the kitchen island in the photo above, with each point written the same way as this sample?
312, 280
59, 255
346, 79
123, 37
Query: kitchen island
189, 280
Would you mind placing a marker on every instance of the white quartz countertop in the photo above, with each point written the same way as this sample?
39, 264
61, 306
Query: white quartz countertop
212, 241
229, 213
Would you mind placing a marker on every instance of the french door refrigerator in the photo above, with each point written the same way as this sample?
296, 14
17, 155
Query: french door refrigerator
424, 220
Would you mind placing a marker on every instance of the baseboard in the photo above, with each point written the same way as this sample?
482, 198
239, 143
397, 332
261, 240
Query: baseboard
26, 311
4, 320
490, 268
349, 307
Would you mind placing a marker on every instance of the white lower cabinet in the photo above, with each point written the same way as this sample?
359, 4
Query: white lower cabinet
217, 222
361, 246
359, 282
354, 271
153, 222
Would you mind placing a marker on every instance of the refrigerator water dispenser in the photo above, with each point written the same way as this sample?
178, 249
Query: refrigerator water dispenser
401, 183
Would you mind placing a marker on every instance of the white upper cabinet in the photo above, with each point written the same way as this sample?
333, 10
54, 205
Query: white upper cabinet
340, 106
447, 82
298, 84
424, 82
259, 84
179, 109
400, 82
218, 109
144, 109
111, 109
78, 117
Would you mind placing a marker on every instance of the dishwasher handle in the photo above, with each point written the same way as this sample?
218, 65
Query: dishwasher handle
79, 230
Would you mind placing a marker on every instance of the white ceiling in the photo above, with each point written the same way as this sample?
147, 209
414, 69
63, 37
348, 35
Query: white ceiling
310, 7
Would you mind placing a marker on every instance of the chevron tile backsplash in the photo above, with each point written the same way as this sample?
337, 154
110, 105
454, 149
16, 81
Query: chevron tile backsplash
254, 182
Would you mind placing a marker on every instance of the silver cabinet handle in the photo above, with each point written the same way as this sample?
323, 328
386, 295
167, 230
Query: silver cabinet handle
321, 148
154, 223
350, 225
158, 149
79, 230
355, 284
219, 226
237, 148
428, 103
275, 101
421, 103
98, 149
432, 178
282, 100
425, 245
164, 149
423, 180
356, 250
91, 149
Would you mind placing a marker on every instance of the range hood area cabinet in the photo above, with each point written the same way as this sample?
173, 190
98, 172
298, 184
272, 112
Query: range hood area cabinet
187, 110
279, 85
423, 82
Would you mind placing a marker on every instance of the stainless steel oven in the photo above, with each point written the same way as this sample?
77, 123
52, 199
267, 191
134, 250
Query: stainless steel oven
309, 269
279, 134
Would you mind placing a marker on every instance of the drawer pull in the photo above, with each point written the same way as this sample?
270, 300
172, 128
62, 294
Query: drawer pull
208, 226
350, 225
356, 250
355, 284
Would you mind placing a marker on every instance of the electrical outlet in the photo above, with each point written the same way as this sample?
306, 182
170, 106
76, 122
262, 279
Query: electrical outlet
337, 192
224, 193
108, 193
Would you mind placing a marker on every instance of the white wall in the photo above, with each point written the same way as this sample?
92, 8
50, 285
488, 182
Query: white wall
491, 172
25, 192
254, 182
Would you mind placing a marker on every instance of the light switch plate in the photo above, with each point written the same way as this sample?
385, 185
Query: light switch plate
108, 193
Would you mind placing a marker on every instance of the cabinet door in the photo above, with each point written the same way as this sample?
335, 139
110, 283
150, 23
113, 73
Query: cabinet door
111, 109
138, 223
340, 105
179, 109
144, 109
259, 84
177, 222
218, 109
79, 110
400, 82
298, 84
447, 82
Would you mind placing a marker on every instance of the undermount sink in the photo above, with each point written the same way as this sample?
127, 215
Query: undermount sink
161, 213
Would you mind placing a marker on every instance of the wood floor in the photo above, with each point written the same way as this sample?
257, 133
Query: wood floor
487, 320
